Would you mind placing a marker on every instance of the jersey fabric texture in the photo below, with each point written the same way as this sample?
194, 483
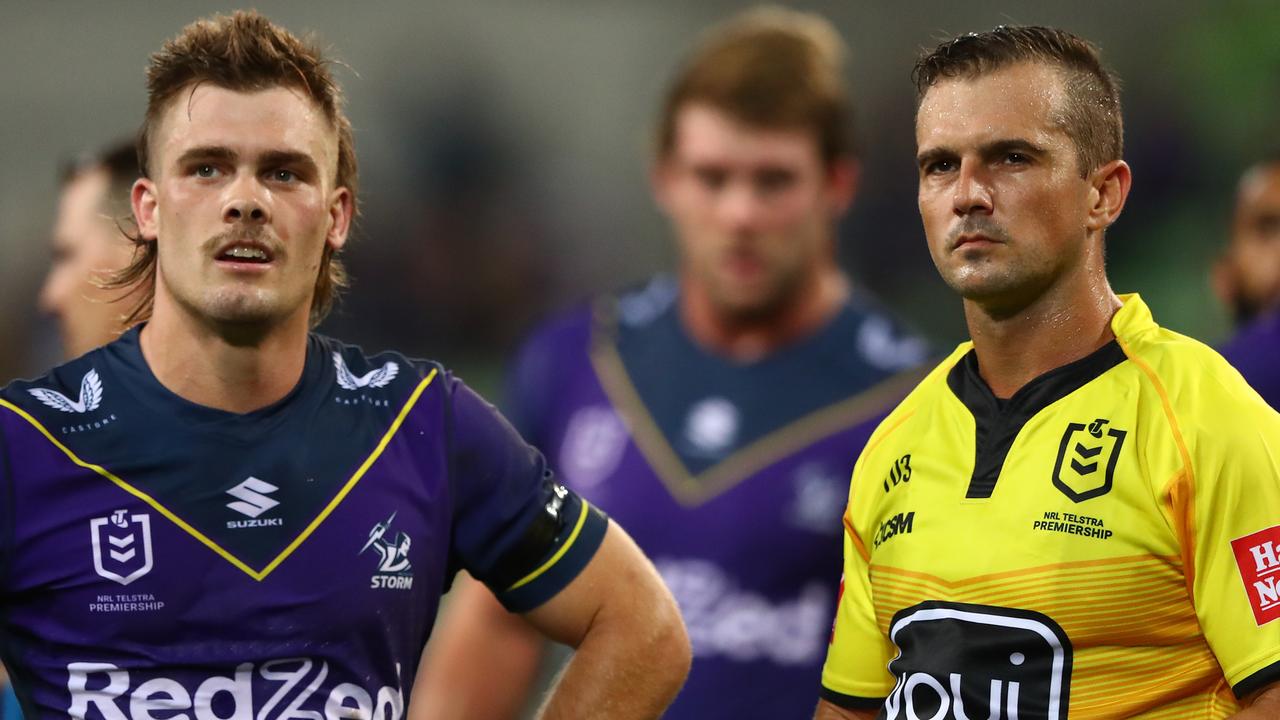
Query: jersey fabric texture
730, 476
1104, 543
161, 558
1255, 352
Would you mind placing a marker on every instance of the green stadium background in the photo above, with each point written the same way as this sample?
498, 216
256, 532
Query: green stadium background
503, 149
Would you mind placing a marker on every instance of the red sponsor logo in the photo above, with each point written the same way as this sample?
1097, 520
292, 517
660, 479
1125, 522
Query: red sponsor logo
1258, 557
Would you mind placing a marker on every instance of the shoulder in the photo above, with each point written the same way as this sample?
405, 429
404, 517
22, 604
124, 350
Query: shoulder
1206, 400
572, 332
353, 368
74, 387
883, 340
557, 334
387, 381
1190, 374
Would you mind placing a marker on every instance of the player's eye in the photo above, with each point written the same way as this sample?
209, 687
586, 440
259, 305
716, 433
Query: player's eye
1268, 226
711, 178
1016, 158
771, 181
939, 166
284, 176
205, 170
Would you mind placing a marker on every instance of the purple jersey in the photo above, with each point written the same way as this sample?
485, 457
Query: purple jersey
731, 477
164, 559
1255, 352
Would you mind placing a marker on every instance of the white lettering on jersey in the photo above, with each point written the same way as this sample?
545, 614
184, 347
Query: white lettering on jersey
287, 701
724, 619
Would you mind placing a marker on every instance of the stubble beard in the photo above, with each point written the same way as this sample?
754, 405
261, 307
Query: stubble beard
778, 293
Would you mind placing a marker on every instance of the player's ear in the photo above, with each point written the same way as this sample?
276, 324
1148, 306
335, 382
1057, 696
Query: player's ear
341, 211
843, 175
142, 197
661, 181
1107, 194
1223, 280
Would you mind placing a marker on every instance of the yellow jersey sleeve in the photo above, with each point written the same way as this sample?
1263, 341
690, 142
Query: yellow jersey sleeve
856, 673
1230, 511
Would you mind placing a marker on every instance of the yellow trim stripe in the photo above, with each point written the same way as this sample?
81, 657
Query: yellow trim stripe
692, 490
364, 467
132, 491
573, 536
1184, 526
255, 574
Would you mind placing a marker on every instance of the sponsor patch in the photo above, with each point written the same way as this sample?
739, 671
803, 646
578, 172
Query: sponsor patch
958, 661
1258, 557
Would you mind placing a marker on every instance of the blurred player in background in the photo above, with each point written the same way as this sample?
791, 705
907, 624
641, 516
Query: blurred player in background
1092, 523
717, 413
252, 520
1247, 279
89, 245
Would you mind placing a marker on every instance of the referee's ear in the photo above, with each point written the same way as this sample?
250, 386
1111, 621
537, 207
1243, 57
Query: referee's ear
1107, 194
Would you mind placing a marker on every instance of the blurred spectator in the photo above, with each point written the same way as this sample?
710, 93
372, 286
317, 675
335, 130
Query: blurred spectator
1247, 279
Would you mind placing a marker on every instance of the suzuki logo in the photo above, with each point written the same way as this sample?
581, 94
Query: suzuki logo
251, 497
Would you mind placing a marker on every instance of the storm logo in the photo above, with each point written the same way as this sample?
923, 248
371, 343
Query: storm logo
394, 570
958, 661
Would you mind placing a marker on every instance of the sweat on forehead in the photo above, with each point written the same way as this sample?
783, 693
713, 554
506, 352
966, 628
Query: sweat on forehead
1090, 111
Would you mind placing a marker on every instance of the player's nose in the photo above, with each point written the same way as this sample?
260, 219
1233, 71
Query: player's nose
244, 204
971, 191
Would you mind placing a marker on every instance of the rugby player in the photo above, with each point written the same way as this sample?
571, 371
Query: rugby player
223, 515
1247, 279
714, 412
1091, 524
89, 244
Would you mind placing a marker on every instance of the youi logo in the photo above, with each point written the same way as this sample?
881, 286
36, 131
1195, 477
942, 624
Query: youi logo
957, 660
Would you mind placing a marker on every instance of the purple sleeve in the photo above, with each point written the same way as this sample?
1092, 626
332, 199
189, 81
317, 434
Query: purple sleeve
515, 527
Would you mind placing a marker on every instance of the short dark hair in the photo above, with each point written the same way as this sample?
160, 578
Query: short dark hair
245, 52
1091, 114
119, 161
769, 67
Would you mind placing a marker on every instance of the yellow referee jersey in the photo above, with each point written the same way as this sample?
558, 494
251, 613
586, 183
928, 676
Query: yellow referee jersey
1105, 543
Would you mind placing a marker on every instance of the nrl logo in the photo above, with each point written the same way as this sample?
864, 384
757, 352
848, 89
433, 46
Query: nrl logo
380, 377
90, 396
1079, 471
121, 546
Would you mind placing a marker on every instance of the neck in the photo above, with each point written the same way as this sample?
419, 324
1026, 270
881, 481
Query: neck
746, 338
1057, 328
237, 369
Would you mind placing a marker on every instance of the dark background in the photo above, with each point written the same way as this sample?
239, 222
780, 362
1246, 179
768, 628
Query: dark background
504, 147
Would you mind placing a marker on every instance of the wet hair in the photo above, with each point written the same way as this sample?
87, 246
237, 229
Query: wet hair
1090, 113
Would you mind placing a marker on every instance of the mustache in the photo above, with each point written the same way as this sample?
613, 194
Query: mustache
255, 234
977, 225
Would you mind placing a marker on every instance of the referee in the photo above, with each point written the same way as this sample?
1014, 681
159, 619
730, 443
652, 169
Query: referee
1078, 511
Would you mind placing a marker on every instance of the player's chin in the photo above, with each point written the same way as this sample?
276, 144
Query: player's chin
246, 306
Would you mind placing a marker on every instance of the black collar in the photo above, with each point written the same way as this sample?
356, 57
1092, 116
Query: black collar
997, 422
